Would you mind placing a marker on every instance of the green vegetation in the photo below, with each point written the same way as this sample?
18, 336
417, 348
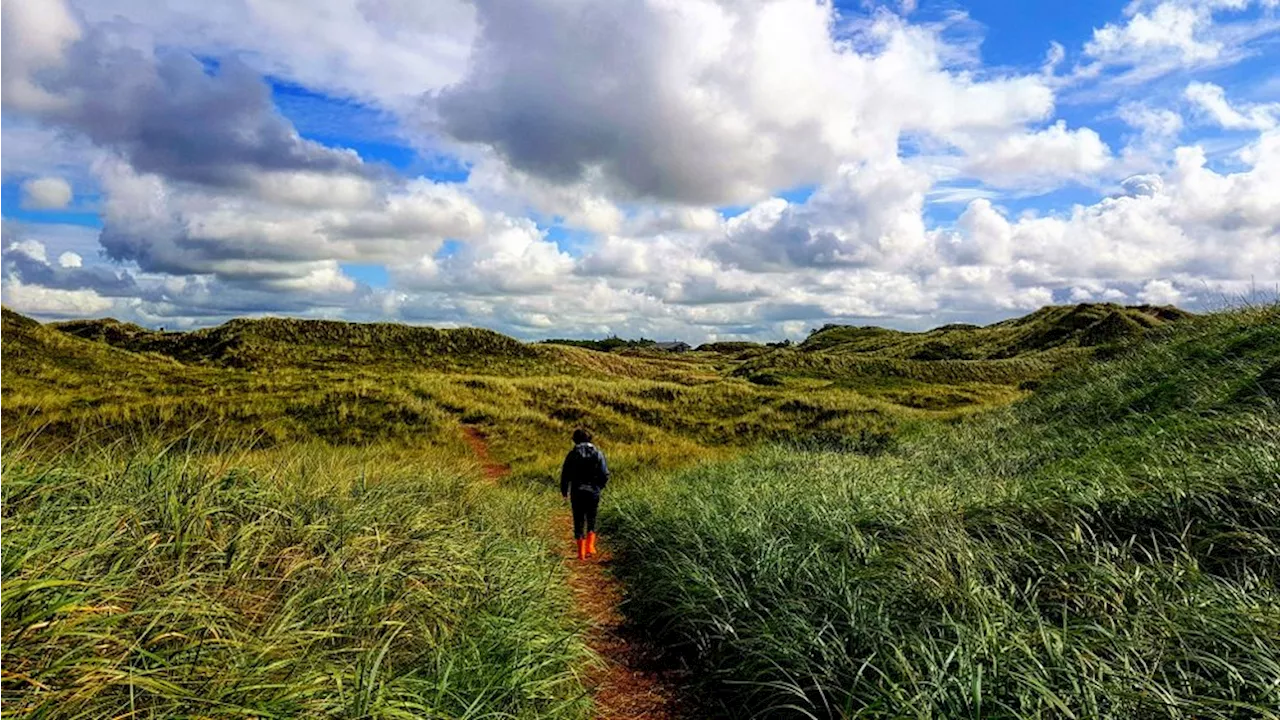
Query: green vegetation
273, 382
609, 344
960, 364
1055, 327
275, 342
740, 349
310, 582
1108, 548
279, 518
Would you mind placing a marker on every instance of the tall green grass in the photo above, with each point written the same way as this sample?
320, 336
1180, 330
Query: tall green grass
302, 582
1109, 548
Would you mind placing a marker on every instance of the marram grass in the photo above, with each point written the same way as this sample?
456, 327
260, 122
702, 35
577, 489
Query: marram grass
1109, 548
307, 582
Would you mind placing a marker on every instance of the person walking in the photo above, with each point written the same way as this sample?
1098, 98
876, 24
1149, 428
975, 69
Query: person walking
582, 479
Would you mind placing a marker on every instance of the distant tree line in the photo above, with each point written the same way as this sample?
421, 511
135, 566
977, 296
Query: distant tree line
611, 343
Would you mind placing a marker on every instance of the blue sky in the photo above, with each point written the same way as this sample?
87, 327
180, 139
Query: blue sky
85, 212
731, 174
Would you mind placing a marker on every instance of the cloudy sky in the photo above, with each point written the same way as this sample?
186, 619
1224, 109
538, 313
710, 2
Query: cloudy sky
698, 169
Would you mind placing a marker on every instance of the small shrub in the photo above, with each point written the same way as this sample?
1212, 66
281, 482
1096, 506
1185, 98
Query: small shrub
766, 379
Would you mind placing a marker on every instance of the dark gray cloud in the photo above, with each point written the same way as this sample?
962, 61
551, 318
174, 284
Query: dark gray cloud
170, 114
779, 311
792, 243
198, 231
212, 301
165, 245
554, 103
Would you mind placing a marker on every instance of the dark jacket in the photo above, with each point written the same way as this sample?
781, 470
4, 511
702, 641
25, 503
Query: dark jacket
584, 469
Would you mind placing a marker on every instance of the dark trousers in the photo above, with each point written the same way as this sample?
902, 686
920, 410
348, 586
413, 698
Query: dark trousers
585, 504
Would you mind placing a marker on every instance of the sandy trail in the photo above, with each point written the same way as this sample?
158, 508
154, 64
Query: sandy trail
627, 686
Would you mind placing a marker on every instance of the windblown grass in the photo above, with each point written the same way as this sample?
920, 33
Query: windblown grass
323, 548
1108, 548
304, 582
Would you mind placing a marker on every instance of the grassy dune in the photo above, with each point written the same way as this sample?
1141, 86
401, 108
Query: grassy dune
1053, 328
271, 383
1108, 548
275, 381
278, 518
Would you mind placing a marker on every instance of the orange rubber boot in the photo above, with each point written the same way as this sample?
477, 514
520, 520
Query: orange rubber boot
591, 543
582, 548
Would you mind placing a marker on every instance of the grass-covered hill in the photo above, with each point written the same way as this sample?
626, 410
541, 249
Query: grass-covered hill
1021, 351
277, 342
333, 347
28, 345
272, 381
319, 344
1107, 548
740, 349
14, 320
42, 355
1049, 328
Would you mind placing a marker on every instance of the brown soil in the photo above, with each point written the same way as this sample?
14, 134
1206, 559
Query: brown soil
629, 685
493, 470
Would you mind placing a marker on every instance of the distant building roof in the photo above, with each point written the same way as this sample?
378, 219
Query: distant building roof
675, 346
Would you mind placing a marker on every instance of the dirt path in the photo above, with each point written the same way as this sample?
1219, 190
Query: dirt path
493, 470
627, 687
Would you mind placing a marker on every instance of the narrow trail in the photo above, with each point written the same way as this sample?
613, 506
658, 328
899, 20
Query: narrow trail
628, 686
492, 469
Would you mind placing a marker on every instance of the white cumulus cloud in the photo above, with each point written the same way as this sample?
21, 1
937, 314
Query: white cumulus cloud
1041, 159
36, 35
1211, 101
46, 193
710, 102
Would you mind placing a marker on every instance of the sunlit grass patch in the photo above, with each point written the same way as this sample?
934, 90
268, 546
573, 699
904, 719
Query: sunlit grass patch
301, 582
